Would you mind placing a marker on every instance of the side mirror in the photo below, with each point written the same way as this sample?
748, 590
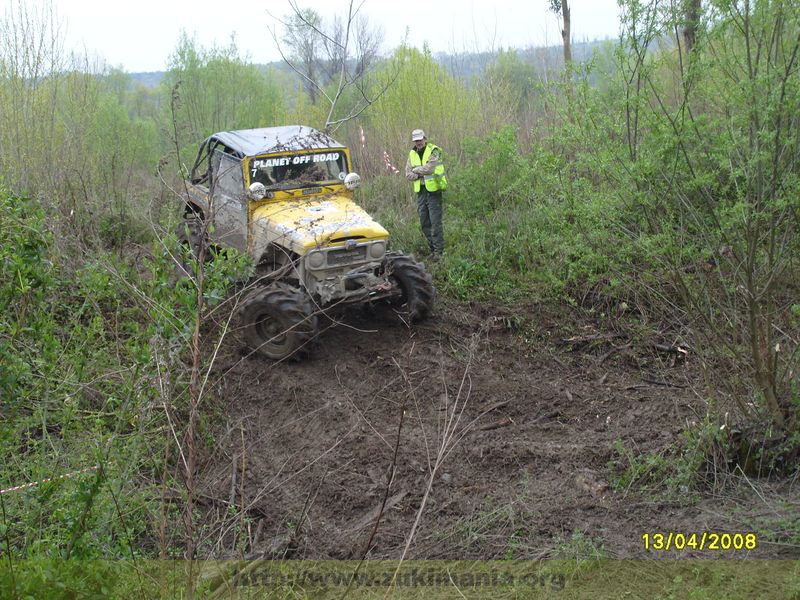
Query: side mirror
352, 181
257, 191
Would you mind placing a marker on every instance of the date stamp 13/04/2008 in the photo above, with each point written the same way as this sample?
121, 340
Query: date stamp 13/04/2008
706, 540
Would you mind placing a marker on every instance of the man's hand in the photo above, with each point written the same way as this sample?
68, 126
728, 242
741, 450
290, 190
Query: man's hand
414, 173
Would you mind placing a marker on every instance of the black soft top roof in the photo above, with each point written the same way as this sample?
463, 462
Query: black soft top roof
249, 142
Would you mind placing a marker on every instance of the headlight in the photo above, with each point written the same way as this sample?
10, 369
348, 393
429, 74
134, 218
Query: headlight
377, 249
316, 259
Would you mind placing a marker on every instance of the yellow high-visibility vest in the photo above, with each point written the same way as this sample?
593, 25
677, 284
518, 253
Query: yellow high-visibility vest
436, 181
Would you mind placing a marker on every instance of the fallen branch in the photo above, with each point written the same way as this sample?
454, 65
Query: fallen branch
664, 383
582, 339
504, 422
492, 407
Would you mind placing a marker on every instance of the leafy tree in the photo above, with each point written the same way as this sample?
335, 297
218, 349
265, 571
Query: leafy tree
512, 78
303, 38
710, 173
219, 90
424, 95
63, 127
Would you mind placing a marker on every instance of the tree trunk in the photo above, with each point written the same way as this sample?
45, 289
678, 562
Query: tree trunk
692, 16
565, 33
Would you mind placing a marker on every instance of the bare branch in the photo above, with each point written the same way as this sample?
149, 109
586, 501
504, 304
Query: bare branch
338, 55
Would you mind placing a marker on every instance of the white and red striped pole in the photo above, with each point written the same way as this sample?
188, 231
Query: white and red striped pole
388, 162
25, 486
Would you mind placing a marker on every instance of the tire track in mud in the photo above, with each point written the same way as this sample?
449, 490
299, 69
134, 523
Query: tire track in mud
535, 435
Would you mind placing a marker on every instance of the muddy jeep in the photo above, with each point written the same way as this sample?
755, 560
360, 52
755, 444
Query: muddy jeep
284, 195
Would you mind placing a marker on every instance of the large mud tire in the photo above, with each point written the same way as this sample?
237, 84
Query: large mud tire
415, 283
193, 235
278, 321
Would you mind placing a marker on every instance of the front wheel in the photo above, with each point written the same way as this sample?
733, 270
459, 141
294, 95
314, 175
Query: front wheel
279, 321
415, 283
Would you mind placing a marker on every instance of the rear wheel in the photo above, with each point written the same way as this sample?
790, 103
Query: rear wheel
279, 321
415, 283
193, 235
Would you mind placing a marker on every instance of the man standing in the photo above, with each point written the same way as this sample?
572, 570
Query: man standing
425, 168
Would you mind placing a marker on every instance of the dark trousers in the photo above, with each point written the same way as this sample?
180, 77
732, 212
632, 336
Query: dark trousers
429, 209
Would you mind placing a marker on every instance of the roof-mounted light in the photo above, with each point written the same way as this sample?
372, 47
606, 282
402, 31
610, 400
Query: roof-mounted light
352, 181
257, 191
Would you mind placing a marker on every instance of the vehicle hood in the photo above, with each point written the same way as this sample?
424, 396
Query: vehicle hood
308, 223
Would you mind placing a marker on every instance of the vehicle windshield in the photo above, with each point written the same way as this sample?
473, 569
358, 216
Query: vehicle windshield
299, 170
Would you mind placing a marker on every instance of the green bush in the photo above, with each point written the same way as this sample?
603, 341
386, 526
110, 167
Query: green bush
85, 342
525, 225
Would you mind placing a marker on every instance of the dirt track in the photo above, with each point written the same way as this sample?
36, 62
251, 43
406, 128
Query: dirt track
526, 475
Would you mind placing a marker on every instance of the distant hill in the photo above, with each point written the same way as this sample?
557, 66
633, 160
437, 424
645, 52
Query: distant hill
152, 79
148, 79
465, 65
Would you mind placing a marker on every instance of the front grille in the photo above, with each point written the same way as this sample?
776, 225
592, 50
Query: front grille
344, 257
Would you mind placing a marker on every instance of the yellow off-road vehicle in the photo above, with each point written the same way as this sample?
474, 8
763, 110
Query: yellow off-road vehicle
284, 195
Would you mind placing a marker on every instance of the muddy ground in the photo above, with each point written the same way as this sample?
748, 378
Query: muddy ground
523, 412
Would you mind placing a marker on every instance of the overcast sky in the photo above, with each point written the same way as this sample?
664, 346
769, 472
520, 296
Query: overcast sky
139, 35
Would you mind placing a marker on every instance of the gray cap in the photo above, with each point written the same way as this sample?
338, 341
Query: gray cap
417, 134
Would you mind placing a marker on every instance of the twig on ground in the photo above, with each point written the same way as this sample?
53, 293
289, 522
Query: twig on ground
582, 339
664, 383
504, 422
